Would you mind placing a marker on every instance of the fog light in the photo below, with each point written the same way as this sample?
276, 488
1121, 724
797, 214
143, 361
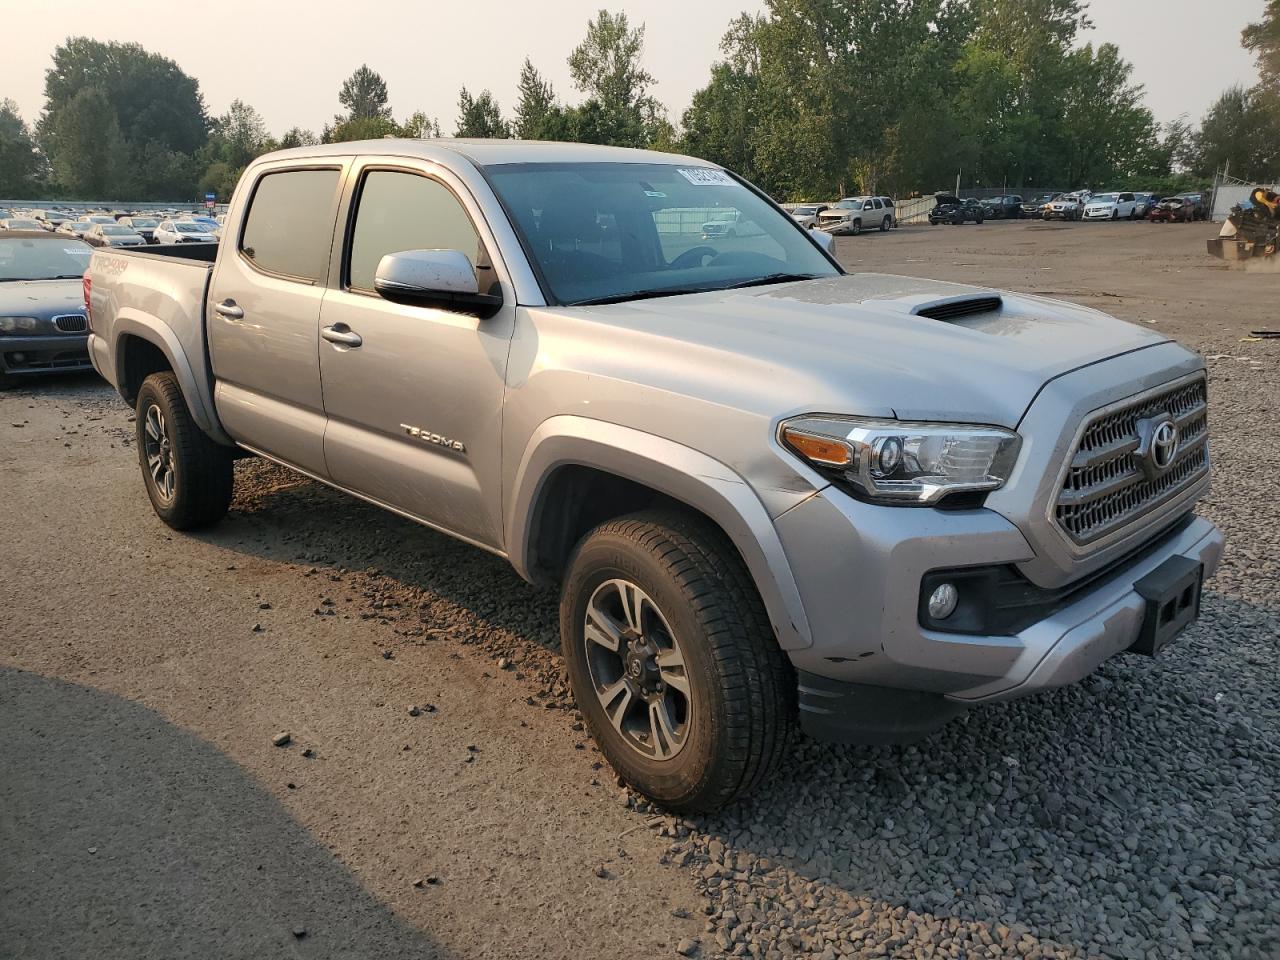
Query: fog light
943, 600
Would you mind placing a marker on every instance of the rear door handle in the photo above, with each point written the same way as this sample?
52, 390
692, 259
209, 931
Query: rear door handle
341, 334
228, 309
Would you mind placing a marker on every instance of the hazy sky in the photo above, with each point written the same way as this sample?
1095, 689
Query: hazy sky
288, 57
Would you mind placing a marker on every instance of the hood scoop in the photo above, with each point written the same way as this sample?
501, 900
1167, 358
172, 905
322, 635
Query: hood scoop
954, 308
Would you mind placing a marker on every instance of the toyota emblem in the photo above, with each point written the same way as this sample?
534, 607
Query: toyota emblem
1164, 444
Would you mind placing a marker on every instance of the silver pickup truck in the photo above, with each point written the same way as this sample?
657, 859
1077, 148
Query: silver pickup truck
771, 494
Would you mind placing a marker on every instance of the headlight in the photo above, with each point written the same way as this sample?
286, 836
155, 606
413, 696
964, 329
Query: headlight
13, 325
900, 462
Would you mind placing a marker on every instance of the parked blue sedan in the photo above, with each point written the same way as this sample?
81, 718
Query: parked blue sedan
43, 326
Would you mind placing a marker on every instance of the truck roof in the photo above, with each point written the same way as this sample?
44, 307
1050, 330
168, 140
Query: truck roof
483, 153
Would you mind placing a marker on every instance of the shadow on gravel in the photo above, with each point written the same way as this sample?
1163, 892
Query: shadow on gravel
122, 836
281, 516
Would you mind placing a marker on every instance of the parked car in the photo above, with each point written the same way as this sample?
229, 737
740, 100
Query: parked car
42, 318
1070, 206
182, 231
756, 536
1144, 203
806, 214
20, 223
1173, 210
1199, 204
7, 214
82, 225
854, 214
113, 235
951, 209
1111, 206
143, 226
1003, 208
730, 224
1033, 209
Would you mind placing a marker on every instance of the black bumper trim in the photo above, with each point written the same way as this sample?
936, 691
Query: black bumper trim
841, 712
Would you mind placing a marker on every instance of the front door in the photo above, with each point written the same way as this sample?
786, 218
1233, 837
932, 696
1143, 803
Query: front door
263, 309
415, 407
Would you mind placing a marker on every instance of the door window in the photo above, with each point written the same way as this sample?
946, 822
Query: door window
401, 211
289, 226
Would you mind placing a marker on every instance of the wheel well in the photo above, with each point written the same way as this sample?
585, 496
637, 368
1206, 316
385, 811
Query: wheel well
574, 500
138, 360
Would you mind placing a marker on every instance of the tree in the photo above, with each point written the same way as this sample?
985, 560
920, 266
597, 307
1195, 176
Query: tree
420, 127
149, 95
89, 153
1262, 39
368, 128
239, 136
364, 94
606, 66
297, 137
536, 108
20, 163
722, 121
479, 116
1241, 131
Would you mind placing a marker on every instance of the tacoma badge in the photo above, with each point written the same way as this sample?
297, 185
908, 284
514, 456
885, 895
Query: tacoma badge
426, 436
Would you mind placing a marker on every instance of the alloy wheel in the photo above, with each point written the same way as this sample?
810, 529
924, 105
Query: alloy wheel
637, 670
159, 452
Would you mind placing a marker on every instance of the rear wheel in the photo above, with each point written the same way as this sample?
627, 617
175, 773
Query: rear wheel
673, 662
188, 476
885, 224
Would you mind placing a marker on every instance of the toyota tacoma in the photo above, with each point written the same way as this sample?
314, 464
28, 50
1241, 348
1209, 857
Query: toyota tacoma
772, 494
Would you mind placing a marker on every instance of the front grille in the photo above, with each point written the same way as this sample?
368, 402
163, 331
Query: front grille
1105, 487
71, 323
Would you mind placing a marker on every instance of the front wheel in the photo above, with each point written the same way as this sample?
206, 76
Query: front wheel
856, 227
673, 662
188, 476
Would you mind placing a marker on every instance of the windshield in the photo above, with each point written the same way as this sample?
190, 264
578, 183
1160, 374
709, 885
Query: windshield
22, 225
117, 232
847, 205
143, 222
189, 228
804, 211
98, 220
1105, 198
31, 258
619, 231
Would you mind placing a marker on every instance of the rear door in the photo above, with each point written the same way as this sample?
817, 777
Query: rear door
263, 314
415, 409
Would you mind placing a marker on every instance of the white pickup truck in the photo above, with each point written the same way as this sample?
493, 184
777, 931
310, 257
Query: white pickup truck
770, 493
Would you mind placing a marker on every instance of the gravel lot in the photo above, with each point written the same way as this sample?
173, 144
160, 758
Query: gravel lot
144, 810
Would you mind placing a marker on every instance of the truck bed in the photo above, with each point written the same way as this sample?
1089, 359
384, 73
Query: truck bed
196, 252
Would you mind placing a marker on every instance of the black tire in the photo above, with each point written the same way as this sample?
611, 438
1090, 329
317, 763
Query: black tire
856, 227
980, 220
885, 224
741, 711
7, 381
201, 470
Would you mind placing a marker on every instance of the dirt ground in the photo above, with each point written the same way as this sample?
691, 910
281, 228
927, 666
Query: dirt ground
144, 810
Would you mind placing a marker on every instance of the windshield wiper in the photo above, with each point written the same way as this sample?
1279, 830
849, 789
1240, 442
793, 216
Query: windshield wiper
640, 295
770, 278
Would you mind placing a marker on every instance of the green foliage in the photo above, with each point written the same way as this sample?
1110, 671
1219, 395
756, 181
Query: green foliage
364, 94
297, 137
537, 113
20, 163
479, 116
1241, 132
420, 126
365, 128
1262, 39
90, 156
607, 67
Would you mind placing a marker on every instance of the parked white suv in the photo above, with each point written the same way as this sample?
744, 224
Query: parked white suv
1111, 206
855, 214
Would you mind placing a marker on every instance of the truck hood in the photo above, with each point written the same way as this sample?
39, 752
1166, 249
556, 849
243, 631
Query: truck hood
852, 344
41, 298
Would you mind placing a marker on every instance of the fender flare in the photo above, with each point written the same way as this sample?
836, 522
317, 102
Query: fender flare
680, 472
160, 335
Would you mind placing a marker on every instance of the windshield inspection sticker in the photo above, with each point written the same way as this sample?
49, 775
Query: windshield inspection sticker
82, 251
705, 176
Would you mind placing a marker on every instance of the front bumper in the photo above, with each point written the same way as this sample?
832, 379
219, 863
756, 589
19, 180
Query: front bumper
1099, 214
54, 353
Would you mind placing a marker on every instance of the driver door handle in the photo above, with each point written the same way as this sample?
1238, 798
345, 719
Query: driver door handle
228, 309
341, 334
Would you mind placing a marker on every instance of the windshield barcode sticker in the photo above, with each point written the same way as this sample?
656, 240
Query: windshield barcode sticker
705, 176
82, 251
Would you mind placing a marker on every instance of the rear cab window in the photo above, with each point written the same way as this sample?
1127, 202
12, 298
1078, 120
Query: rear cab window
288, 228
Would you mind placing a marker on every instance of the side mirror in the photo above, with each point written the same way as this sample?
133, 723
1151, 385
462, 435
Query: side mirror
433, 278
825, 241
